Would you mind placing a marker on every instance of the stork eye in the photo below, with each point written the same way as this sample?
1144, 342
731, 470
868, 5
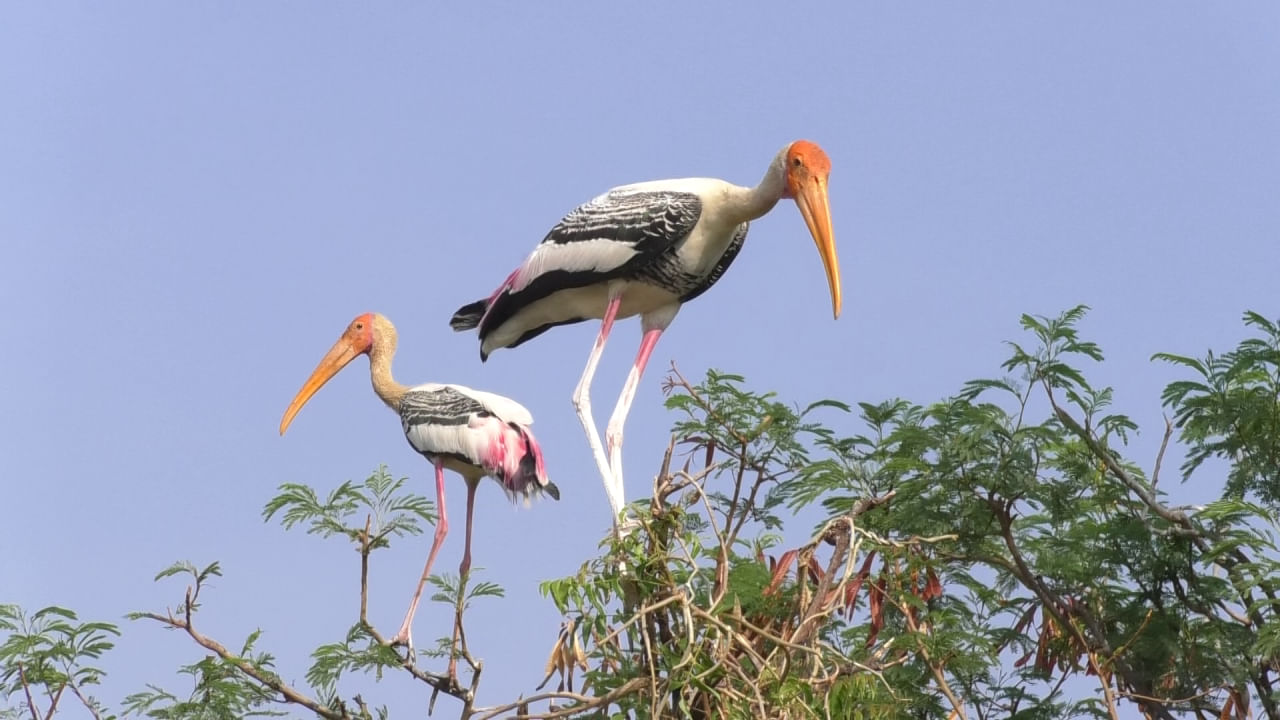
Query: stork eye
797, 162
359, 326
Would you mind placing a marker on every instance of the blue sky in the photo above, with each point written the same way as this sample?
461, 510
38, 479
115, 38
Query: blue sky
196, 198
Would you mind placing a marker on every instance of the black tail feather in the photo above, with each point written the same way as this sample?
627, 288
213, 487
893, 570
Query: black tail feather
468, 316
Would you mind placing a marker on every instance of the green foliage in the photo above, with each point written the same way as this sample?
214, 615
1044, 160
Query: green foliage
246, 684
46, 655
1232, 411
220, 691
971, 557
999, 544
359, 651
378, 500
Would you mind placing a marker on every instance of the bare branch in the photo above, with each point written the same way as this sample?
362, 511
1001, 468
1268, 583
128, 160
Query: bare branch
935, 666
365, 549
1164, 445
53, 703
587, 703
89, 705
1104, 679
287, 692
31, 702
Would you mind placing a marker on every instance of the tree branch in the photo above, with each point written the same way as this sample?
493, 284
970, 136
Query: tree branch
31, 702
286, 691
75, 688
589, 702
53, 702
1164, 445
1175, 517
438, 683
935, 667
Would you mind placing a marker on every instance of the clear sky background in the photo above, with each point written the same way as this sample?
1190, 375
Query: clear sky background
196, 198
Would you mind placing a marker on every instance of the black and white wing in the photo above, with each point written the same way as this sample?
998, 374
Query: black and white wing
616, 235
436, 420
472, 400
620, 230
485, 431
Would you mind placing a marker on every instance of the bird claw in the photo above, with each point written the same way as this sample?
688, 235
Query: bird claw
404, 638
624, 527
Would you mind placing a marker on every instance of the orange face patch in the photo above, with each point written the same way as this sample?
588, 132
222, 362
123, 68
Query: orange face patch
807, 155
360, 332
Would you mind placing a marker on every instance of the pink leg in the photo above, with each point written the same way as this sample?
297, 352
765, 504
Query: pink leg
405, 635
582, 403
465, 567
613, 435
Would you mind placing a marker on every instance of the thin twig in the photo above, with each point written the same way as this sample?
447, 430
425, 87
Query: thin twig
1173, 701
364, 570
751, 501
732, 510
1104, 679
722, 555
935, 666
1175, 517
438, 683
53, 703
75, 688
711, 411
586, 703
1120, 650
289, 693
31, 702
1164, 445
653, 668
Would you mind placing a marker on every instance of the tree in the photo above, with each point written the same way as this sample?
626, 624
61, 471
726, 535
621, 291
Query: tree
970, 557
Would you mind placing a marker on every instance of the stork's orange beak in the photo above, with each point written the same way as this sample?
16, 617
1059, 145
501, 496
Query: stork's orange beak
816, 209
342, 353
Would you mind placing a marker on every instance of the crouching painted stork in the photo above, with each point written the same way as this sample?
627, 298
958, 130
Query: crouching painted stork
475, 434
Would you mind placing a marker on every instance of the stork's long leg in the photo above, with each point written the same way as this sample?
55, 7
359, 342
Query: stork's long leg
465, 567
652, 323
405, 635
582, 403
613, 434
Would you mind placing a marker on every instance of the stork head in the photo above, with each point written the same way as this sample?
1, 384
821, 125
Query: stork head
807, 168
358, 339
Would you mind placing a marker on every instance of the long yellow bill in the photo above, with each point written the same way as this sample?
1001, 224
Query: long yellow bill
337, 358
814, 206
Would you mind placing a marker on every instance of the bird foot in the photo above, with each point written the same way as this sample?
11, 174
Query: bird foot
623, 528
404, 638
626, 526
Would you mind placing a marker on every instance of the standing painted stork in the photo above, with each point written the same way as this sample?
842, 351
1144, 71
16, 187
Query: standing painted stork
473, 433
645, 249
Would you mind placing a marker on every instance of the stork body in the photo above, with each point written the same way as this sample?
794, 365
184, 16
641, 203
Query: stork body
473, 433
644, 249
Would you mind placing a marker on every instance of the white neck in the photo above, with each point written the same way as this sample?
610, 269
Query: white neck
746, 204
380, 356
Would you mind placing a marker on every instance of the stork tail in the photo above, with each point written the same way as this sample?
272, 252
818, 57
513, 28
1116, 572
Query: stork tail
468, 316
530, 477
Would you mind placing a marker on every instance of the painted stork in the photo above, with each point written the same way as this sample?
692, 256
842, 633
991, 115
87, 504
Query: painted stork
473, 433
645, 249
